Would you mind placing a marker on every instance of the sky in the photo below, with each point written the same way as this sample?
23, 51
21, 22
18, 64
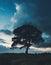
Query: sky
15, 13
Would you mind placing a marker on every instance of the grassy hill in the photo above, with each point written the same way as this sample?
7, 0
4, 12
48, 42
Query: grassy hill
25, 59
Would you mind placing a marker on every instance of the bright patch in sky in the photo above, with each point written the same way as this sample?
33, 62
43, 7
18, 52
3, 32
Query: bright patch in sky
13, 20
17, 7
44, 35
7, 39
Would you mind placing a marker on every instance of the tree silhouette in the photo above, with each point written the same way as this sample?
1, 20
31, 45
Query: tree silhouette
26, 35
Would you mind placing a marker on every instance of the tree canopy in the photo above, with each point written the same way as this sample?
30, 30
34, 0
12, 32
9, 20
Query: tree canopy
26, 35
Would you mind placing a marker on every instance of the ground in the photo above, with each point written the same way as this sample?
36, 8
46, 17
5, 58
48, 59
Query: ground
25, 59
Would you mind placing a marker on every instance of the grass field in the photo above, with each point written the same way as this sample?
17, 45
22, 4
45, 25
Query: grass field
25, 59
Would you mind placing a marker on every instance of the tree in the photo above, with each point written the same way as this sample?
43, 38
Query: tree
26, 35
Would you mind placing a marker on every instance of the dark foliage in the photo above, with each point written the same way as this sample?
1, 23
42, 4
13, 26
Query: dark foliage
26, 35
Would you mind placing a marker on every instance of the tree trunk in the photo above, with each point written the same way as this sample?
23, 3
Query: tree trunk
27, 47
27, 50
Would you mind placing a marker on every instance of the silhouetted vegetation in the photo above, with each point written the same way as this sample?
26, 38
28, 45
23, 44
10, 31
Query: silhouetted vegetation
26, 35
25, 59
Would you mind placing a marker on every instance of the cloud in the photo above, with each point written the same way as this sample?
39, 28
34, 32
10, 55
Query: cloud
33, 50
5, 39
6, 32
24, 14
8, 27
2, 9
2, 41
13, 19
